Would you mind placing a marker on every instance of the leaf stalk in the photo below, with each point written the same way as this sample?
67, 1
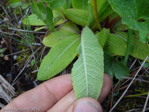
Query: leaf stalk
128, 46
96, 14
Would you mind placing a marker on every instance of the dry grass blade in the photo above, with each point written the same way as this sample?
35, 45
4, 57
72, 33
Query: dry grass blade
26, 31
145, 105
137, 110
28, 60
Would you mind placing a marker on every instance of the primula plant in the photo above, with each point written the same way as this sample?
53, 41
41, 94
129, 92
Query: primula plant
96, 32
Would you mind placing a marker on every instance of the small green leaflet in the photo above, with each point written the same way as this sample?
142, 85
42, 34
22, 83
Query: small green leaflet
59, 57
33, 20
43, 13
39, 9
88, 70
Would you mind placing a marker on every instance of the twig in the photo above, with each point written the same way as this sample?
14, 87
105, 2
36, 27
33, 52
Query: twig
16, 53
145, 105
26, 31
136, 79
5, 33
16, 16
6, 12
132, 64
136, 110
59, 26
128, 85
34, 57
145, 68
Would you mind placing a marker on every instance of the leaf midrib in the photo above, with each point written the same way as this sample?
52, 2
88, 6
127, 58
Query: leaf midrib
85, 68
65, 50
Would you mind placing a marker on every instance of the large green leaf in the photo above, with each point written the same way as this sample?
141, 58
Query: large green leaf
135, 14
117, 44
66, 30
59, 57
87, 72
77, 16
33, 20
80, 4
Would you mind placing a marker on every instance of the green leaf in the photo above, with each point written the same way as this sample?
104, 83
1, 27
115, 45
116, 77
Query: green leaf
80, 4
119, 26
15, 3
87, 72
49, 19
119, 69
117, 43
39, 9
44, 13
59, 57
68, 4
55, 3
113, 66
40, 28
103, 36
67, 30
134, 14
77, 16
146, 65
33, 20
108, 63
24, 6
105, 13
